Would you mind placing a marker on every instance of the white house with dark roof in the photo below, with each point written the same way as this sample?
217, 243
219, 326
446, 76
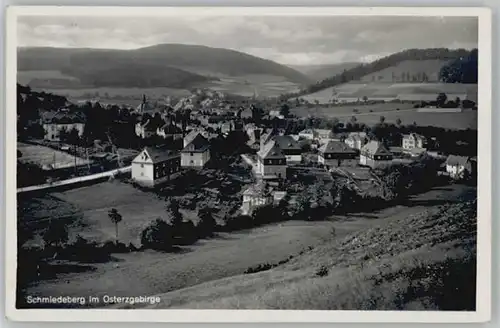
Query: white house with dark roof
255, 196
169, 130
145, 129
154, 166
55, 122
196, 152
290, 148
375, 154
413, 140
307, 134
271, 161
337, 153
323, 135
356, 140
458, 166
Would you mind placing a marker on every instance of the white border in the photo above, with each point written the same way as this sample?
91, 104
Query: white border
483, 303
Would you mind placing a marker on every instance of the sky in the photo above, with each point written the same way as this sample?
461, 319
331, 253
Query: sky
286, 40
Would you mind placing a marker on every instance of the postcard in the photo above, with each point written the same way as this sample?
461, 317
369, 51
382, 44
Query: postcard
231, 164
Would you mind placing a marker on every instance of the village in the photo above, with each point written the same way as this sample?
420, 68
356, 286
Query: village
205, 129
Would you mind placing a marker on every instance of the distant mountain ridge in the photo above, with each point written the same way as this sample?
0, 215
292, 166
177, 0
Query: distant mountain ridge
163, 65
321, 72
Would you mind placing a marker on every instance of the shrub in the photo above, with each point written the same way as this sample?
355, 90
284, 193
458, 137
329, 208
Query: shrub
207, 224
56, 234
82, 250
185, 233
238, 222
157, 235
260, 268
322, 271
267, 214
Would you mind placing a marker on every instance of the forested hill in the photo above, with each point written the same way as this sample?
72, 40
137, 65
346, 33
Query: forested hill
459, 66
163, 65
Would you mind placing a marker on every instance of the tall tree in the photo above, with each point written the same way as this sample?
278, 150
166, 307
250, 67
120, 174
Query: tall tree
116, 218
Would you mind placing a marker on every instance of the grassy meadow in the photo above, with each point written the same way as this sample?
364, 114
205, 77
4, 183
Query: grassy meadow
370, 115
211, 268
408, 259
43, 156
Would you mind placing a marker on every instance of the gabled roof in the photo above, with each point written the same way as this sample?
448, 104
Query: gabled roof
267, 135
415, 136
271, 150
455, 160
306, 131
198, 145
157, 154
146, 125
357, 136
170, 128
375, 148
62, 118
257, 189
336, 147
190, 136
286, 142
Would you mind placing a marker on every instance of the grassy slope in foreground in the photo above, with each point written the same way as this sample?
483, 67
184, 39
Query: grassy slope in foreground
422, 262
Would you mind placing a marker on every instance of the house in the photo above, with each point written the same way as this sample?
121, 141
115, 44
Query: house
255, 196
276, 113
374, 154
336, 153
154, 166
145, 129
227, 127
196, 153
266, 136
55, 122
413, 140
271, 162
254, 134
323, 135
356, 140
458, 166
169, 130
307, 134
260, 194
290, 148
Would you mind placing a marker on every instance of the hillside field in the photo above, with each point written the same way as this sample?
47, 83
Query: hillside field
224, 256
403, 91
370, 115
430, 67
418, 258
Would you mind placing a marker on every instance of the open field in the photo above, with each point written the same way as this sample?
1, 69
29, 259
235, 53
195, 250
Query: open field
430, 67
407, 260
403, 91
248, 85
127, 96
370, 115
93, 203
227, 255
46, 156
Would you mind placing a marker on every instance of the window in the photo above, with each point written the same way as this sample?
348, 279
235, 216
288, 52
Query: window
190, 154
142, 165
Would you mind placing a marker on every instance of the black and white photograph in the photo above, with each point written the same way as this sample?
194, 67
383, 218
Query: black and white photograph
247, 161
